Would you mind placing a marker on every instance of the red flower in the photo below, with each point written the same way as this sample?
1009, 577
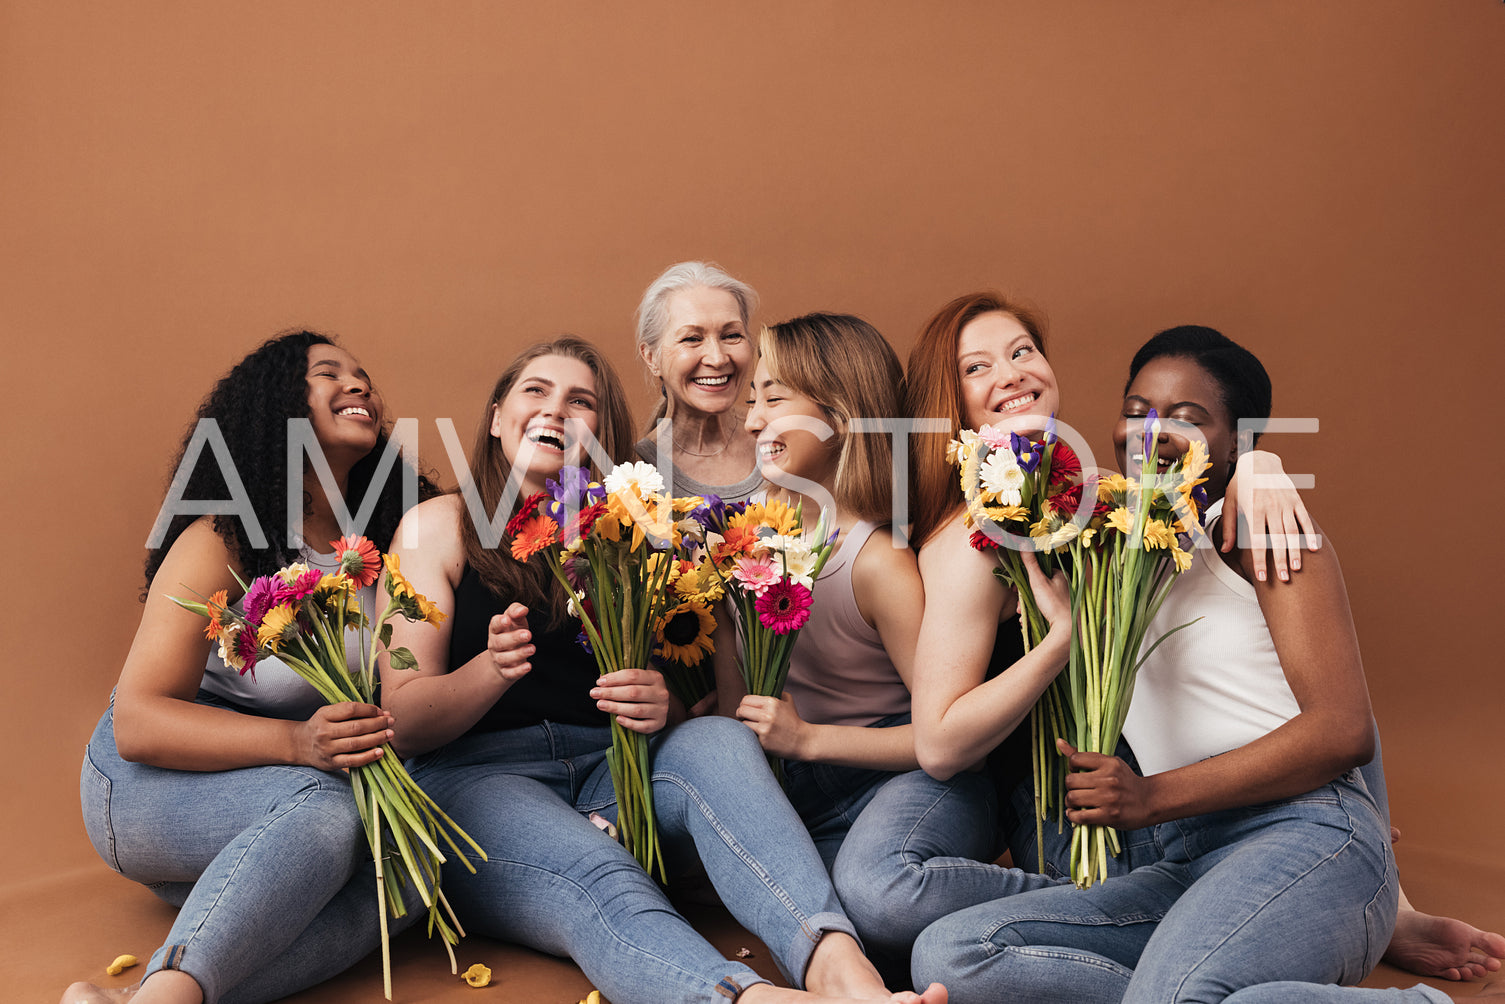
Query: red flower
983, 542
784, 607
1064, 464
524, 513
580, 527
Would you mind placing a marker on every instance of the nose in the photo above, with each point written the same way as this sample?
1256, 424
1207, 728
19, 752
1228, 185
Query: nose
755, 421
715, 352
357, 384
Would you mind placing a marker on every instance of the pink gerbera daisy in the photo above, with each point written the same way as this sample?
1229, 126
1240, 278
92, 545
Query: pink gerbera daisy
784, 607
755, 574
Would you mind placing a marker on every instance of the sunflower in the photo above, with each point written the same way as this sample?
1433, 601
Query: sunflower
684, 634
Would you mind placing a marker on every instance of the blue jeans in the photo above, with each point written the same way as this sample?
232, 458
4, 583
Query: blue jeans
1302, 889
558, 884
268, 866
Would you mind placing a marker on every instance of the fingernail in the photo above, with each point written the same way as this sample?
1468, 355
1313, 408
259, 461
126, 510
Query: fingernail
389, 733
1285, 576
1296, 565
1260, 575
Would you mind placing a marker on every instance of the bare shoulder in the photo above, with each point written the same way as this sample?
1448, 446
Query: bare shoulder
198, 563
431, 535
884, 558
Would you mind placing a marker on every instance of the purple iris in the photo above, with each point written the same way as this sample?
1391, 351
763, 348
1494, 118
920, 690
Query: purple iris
1149, 433
1199, 496
1028, 453
1050, 429
711, 513
573, 491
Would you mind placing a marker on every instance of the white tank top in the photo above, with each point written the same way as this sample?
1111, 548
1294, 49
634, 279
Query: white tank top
1214, 686
277, 691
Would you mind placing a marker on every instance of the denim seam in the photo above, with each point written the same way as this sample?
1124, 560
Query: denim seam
113, 858
1275, 894
1064, 955
589, 897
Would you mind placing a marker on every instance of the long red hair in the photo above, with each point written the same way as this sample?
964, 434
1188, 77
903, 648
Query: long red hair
933, 389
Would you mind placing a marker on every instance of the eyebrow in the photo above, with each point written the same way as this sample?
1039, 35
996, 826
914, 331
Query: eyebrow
1179, 404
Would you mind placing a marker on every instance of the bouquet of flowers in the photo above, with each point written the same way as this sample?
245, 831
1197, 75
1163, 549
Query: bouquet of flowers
768, 565
617, 559
1121, 555
1022, 494
300, 615
1123, 565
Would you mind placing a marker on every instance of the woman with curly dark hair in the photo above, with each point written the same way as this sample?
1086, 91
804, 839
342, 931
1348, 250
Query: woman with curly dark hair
226, 795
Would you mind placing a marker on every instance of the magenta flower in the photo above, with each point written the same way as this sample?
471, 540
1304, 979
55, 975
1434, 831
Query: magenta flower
784, 607
755, 574
298, 589
260, 598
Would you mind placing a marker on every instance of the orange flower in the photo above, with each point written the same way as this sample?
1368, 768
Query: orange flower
359, 559
535, 534
216, 612
738, 540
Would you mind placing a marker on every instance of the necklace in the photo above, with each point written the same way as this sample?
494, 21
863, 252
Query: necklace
682, 448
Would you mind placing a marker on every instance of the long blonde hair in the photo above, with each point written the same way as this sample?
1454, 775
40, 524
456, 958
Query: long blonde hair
799, 354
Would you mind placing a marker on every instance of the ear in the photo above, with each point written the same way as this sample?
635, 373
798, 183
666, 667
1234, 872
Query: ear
496, 421
648, 356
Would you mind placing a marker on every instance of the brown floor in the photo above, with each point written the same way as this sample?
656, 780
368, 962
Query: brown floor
62, 927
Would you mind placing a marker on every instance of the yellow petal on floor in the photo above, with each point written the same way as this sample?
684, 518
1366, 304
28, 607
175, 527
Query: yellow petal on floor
594, 997
121, 964
477, 975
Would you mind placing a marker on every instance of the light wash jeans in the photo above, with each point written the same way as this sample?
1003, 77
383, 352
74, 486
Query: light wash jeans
1301, 889
268, 866
557, 883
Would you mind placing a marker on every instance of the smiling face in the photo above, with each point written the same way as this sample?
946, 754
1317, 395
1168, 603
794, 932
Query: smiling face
1003, 373
542, 420
704, 356
343, 406
787, 425
1189, 402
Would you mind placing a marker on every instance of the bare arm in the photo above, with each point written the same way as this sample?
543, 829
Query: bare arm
959, 716
156, 719
435, 702
1312, 627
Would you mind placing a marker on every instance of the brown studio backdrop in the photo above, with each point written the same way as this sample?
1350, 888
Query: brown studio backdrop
441, 185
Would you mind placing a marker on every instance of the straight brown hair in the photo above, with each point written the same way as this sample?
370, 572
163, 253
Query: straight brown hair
532, 583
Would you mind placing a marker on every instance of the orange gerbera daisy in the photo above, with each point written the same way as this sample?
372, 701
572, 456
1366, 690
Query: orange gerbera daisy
536, 533
216, 613
359, 559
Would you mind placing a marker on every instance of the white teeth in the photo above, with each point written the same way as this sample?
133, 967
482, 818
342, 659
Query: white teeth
547, 437
1018, 403
354, 411
768, 451
720, 381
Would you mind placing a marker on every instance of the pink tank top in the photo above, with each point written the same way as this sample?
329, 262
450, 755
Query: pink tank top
839, 671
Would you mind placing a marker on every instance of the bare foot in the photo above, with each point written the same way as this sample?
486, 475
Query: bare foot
1443, 947
88, 993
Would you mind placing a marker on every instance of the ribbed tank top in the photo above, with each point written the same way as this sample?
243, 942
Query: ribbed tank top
839, 671
1215, 686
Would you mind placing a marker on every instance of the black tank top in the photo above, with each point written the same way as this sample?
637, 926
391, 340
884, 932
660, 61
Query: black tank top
557, 688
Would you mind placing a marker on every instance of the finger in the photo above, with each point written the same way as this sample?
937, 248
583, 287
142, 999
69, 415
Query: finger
646, 726
1065, 748
1257, 552
1293, 539
344, 711
498, 641
346, 761
518, 613
1230, 522
1278, 555
1308, 527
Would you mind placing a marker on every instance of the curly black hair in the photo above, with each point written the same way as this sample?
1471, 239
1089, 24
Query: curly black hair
252, 404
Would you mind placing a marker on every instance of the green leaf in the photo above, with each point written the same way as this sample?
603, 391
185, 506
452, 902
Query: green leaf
385, 635
401, 658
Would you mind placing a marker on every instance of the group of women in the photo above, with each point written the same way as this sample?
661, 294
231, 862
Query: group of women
1257, 843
